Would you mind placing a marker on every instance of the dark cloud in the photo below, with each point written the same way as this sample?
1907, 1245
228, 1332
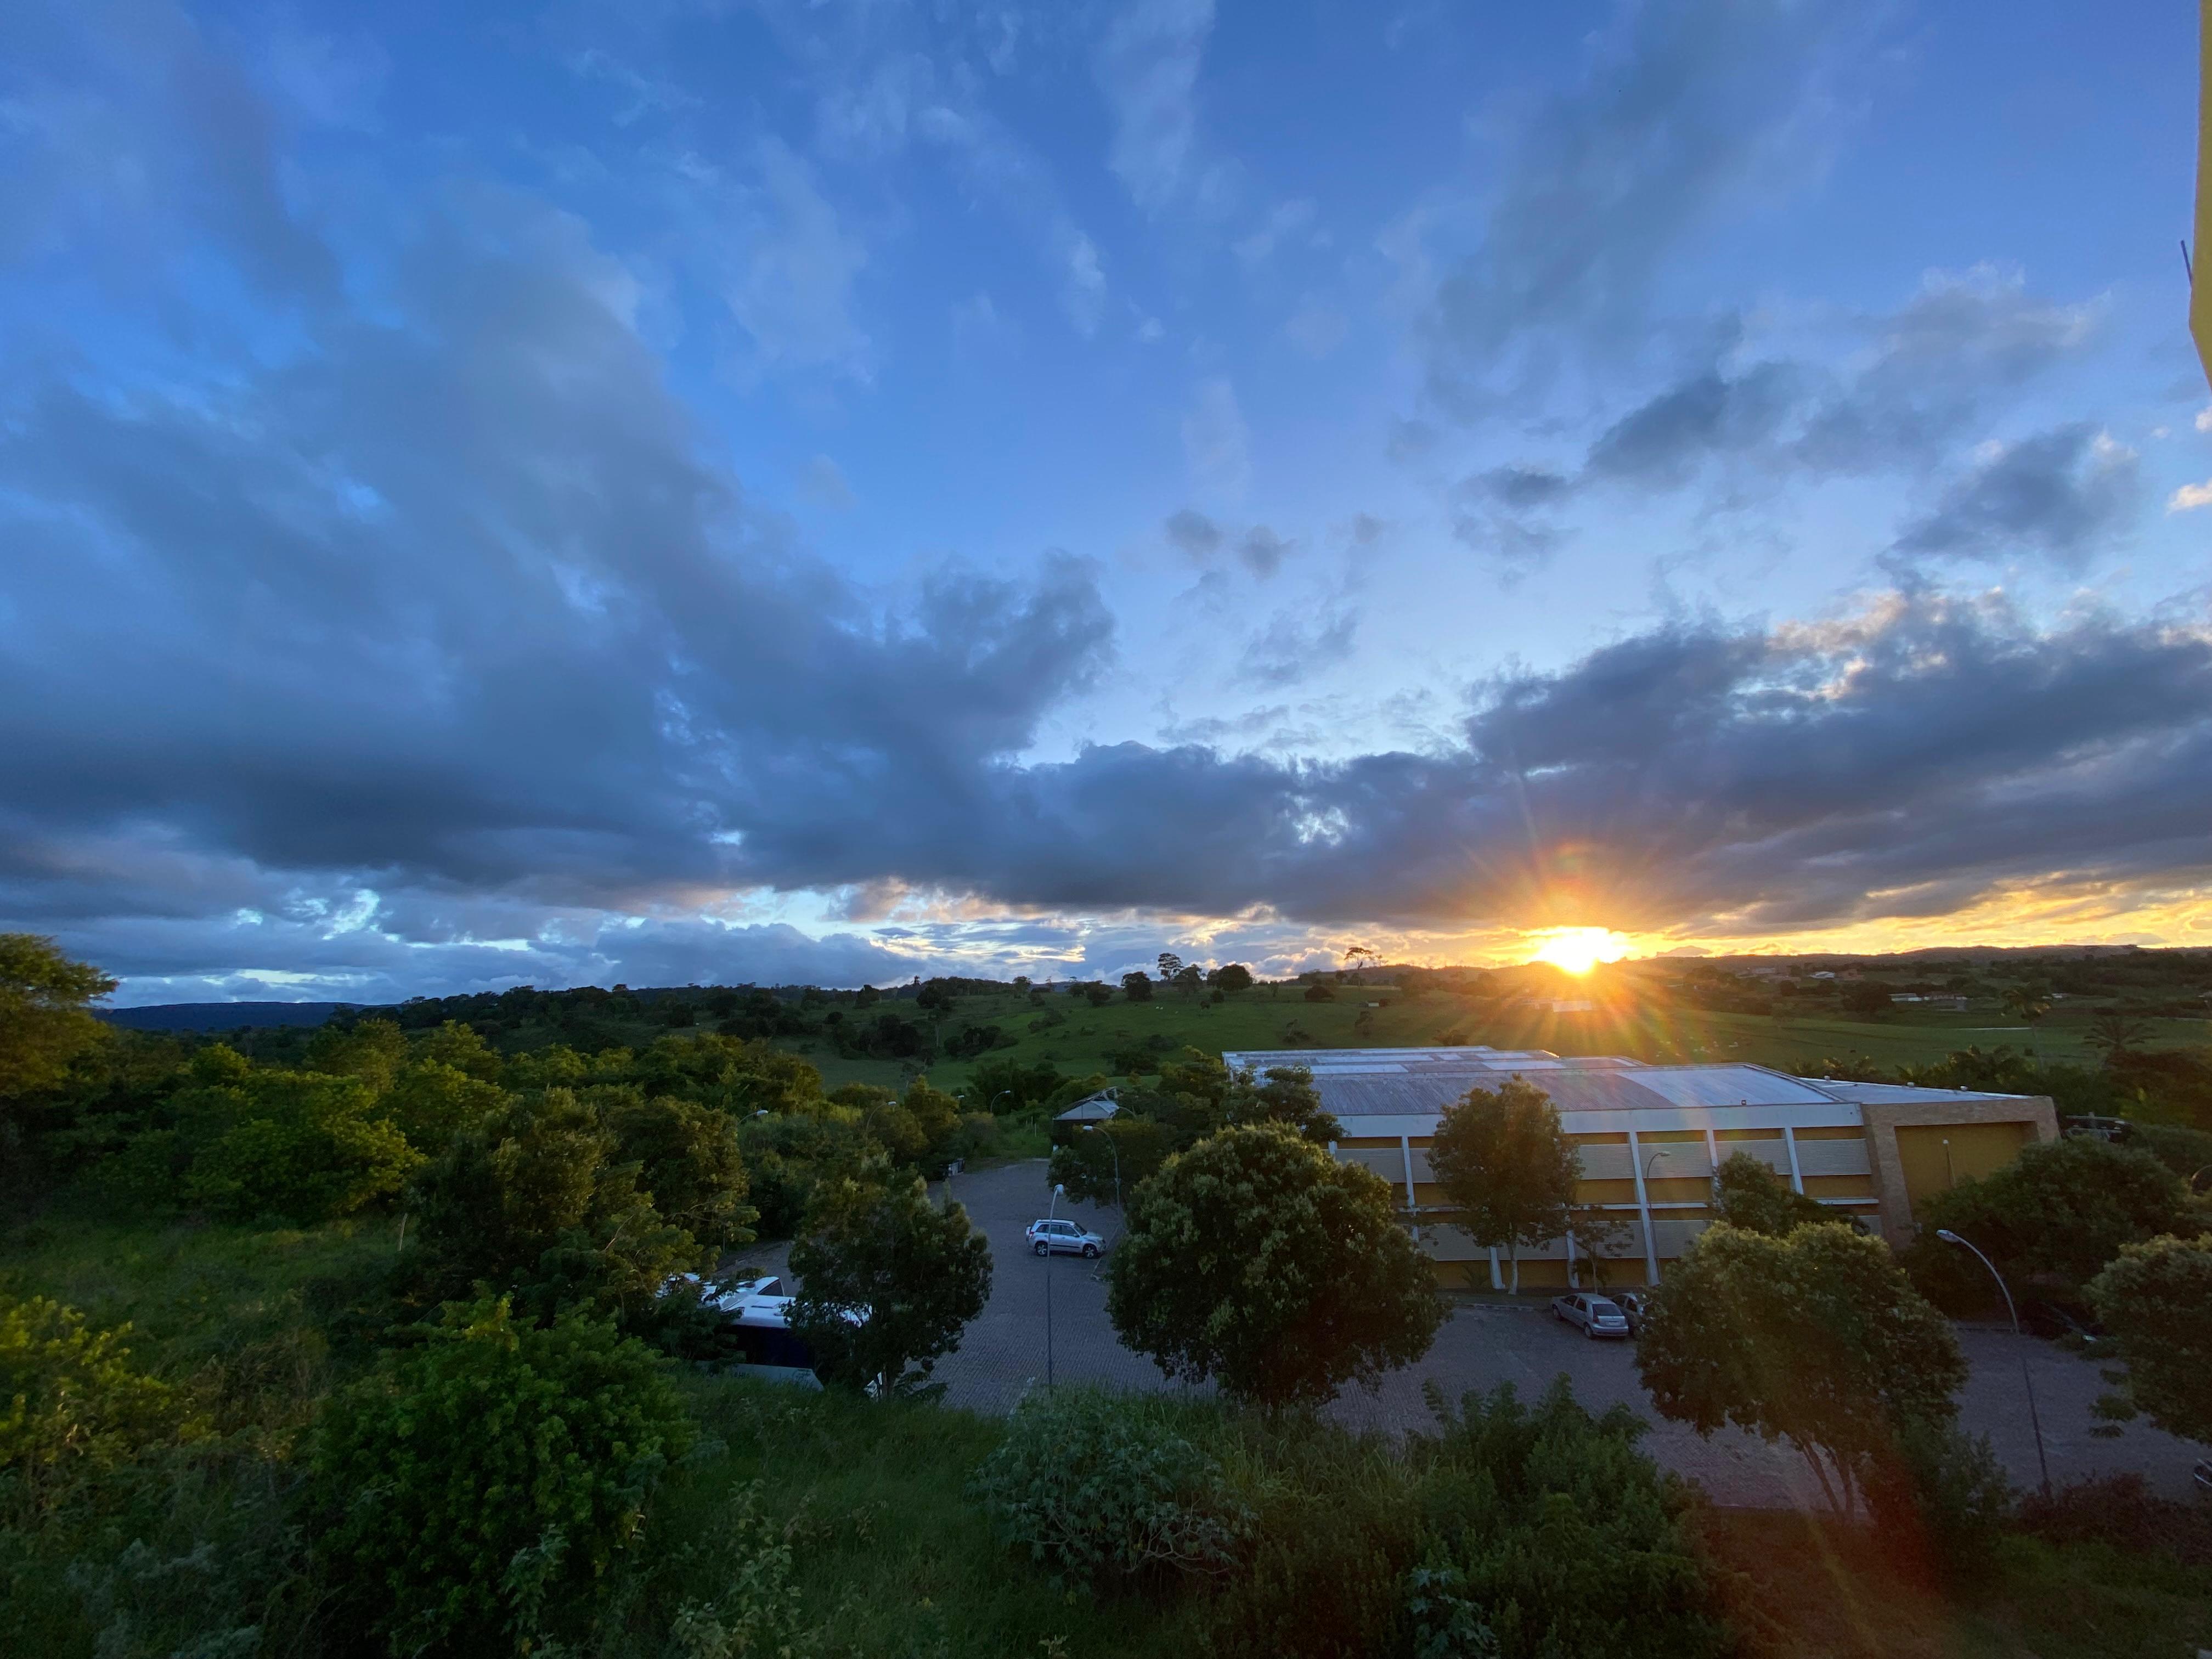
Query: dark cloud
1522, 487
1262, 551
1665, 441
1923, 382
1298, 643
1683, 107
2058, 494
1194, 533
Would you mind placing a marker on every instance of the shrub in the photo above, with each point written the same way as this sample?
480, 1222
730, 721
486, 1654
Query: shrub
1944, 1497
1566, 1537
2056, 1215
1103, 1488
71, 1403
887, 1282
2157, 1301
473, 1489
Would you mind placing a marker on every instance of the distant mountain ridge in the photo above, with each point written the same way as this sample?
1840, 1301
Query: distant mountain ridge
219, 1016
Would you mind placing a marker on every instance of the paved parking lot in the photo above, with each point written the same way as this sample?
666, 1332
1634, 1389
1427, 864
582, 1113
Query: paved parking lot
1013, 1345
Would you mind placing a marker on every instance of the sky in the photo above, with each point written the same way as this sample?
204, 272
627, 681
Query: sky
671, 493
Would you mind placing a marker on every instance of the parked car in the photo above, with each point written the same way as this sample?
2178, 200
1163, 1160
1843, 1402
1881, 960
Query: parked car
1598, 1315
1635, 1307
1063, 1238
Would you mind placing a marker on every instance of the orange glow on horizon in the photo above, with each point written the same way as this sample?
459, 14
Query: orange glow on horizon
1578, 950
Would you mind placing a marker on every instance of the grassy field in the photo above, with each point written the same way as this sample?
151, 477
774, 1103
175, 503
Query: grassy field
1079, 1039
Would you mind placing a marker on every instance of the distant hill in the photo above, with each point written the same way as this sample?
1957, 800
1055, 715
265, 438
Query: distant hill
219, 1016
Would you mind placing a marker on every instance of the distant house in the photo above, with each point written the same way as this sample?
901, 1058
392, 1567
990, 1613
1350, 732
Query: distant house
1090, 1111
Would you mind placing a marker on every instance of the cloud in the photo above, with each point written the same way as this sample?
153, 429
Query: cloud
1917, 382
2190, 497
1685, 107
1148, 66
1297, 643
1262, 551
1216, 443
1194, 533
795, 265
2057, 494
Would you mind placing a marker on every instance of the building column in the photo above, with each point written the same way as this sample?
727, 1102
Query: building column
1644, 1208
1790, 1144
1406, 1151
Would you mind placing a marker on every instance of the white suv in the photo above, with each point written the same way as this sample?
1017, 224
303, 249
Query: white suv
1063, 1238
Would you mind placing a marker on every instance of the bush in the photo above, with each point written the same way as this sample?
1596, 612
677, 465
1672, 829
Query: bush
474, 1490
1944, 1498
1567, 1538
71, 1403
1103, 1488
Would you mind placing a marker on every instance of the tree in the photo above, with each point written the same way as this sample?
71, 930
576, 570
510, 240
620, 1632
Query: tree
2156, 1301
887, 1282
1816, 1339
2057, 1214
1870, 1000
1230, 976
1136, 985
1358, 955
2117, 1032
539, 1201
296, 1144
2028, 1002
475, 1488
1748, 1195
1256, 1258
1207, 1096
690, 1166
45, 1017
1103, 1163
1506, 1168
1170, 965
1099, 995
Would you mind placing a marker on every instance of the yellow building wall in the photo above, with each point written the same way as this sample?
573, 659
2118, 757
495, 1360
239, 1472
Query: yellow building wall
1936, 1157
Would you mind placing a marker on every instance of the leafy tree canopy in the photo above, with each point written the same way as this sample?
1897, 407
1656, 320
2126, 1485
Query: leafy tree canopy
888, 1281
1817, 1339
1256, 1258
45, 1017
1749, 1194
2156, 1300
1507, 1168
2056, 1215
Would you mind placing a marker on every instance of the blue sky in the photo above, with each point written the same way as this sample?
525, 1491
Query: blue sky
661, 493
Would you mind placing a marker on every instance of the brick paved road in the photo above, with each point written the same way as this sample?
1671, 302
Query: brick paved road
1004, 1352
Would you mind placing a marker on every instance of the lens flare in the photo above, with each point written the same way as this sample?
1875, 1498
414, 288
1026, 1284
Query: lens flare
1578, 950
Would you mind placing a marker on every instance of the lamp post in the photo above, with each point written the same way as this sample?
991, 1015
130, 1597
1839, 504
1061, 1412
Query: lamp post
1058, 1192
2025, 1376
1650, 1232
1095, 1129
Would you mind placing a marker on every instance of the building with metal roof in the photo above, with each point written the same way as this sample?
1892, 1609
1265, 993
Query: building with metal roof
1651, 1137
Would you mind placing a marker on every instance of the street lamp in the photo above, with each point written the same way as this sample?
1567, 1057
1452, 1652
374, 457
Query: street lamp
1058, 1192
1092, 1129
1650, 1232
2025, 1376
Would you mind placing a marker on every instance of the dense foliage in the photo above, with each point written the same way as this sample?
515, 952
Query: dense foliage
2051, 1219
1107, 1489
1748, 1195
1257, 1260
888, 1281
1816, 1339
1506, 1168
473, 1491
2156, 1300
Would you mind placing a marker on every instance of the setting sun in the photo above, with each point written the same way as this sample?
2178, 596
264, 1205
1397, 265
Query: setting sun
1578, 950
